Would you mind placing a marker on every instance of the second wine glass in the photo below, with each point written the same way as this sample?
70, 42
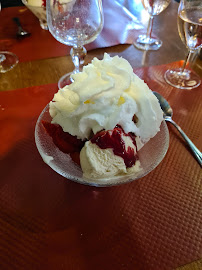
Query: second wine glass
74, 23
190, 31
147, 42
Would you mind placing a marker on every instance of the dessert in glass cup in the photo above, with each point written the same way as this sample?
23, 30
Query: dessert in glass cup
105, 128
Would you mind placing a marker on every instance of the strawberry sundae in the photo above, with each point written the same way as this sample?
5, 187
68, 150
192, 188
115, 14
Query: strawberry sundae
104, 118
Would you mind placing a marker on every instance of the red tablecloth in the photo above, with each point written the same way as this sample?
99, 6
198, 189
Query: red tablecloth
49, 222
116, 17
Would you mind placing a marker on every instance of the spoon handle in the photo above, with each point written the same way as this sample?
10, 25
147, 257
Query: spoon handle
193, 148
17, 21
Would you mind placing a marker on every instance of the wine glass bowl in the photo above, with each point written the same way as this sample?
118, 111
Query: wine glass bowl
190, 31
155, 7
147, 42
75, 23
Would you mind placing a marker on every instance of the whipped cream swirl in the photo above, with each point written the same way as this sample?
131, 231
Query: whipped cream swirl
104, 94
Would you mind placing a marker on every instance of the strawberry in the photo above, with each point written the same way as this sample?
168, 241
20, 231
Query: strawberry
75, 157
114, 139
63, 140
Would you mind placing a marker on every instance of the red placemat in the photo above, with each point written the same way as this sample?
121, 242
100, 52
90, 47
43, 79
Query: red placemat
41, 44
48, 222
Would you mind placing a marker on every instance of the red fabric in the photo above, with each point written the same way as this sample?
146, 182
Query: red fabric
41, 44
49, 222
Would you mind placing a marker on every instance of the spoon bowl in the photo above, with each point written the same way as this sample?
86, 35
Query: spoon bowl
165, 106
167, 114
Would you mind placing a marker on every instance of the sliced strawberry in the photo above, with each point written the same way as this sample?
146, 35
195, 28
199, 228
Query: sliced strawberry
98, 135
75, 157
63, 140
50, 128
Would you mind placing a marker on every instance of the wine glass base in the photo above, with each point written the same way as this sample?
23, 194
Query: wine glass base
186, 79
147, 44
65, 80
8, 60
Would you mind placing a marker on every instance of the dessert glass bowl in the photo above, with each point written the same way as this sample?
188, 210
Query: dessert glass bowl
151, 154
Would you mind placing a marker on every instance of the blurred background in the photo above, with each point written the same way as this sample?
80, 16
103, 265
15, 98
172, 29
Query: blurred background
11, 3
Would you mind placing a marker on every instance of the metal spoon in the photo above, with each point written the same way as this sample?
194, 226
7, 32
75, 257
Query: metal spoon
167, 114
21, 32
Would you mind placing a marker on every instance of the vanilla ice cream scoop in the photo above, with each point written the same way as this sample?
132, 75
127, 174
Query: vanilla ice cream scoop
105, 94
97, 163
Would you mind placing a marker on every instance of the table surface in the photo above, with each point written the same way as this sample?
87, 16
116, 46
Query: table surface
30, 242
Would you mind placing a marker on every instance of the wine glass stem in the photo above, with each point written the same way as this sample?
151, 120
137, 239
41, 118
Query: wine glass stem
78, 55
186, 61
149, 27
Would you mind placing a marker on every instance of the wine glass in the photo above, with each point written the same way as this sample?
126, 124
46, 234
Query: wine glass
147, 42
190, 31
74, 23
7, 60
